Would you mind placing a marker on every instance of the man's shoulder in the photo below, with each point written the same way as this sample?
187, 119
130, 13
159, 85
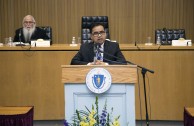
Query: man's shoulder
19, 29
111, 43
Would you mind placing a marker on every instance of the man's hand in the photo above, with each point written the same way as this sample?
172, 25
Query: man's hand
98, 62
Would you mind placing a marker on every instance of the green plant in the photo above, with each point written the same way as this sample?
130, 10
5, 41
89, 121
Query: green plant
93, 118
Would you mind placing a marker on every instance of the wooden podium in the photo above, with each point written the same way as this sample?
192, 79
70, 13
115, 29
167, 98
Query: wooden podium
120, 96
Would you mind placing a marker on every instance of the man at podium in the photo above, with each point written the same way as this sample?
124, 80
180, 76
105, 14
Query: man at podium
100, 51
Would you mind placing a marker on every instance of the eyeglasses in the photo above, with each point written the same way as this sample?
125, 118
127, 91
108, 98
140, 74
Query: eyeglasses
28, 22
98, 33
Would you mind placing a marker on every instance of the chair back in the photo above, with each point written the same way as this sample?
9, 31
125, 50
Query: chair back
48, 31
167, 35
86, 24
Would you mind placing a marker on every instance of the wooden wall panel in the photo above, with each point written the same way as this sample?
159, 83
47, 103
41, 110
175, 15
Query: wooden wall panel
130, 20
34, 78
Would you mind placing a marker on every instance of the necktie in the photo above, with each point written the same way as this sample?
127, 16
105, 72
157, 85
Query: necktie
100, 55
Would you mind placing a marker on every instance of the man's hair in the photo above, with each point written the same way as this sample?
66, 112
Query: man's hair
30, 17
96, 24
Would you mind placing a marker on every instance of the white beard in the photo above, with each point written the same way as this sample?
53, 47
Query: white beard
26, 31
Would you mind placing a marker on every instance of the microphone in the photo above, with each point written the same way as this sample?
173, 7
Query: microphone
118, 62
125, 62
20, 34
97, 45
115, 61
96, 48
20, 42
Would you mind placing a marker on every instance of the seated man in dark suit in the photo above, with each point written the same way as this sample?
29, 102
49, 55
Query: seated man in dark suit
99, 51
29, 31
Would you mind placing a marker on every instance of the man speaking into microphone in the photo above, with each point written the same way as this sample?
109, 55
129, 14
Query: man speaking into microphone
99, 51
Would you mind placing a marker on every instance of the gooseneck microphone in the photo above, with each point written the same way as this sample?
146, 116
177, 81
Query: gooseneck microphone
20, 33
124, 62
20, 41
97, 45
96, 49
117, 62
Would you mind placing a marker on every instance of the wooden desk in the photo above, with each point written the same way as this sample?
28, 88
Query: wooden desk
33, 78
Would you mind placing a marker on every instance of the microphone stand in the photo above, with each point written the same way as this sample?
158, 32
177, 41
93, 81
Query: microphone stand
20, 41
143, 72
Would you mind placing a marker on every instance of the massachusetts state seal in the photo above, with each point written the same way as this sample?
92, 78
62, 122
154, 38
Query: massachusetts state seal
98, 80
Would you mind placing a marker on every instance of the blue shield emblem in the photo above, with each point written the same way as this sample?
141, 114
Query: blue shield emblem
98, 80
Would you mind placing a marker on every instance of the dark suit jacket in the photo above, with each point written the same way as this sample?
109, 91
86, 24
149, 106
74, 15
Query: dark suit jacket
38, 34
112, 54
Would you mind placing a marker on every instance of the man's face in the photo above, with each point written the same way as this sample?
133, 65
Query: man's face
98, 34
28, 22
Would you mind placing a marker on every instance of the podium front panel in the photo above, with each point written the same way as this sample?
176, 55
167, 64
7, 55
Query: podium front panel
120, 96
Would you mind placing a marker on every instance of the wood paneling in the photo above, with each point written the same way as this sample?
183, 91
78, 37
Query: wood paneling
33, 77
129, 20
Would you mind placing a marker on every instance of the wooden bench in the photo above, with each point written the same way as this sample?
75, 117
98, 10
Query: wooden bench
189, 116
16, 116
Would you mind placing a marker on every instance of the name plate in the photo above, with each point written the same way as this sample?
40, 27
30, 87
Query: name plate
181, 43
42, 43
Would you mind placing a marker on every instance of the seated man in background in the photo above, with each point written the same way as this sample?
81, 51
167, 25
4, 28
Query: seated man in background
29, 31
99, 51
